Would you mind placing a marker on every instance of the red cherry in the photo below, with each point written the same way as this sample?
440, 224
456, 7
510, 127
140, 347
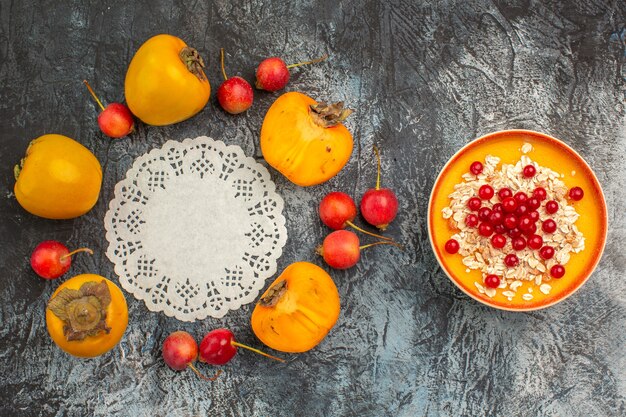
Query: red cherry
518, 243
557, 271
546, 252
474, 203
552, 207
576, 193
534, 215
497, 208
499, 228
498, 241
511, 260
337, 210
540, 193
521, 210
520, 197
219, 346
235, 95
509, 204
533, 203
484, 213
51, 259
272, 74
549, 226
524, 223
510, 221
496, 218
535, 241
515, 232
471, 220
492, 281
115, 120
452, 246
504, 193
529, 171
485, 192
476, 167
485, 229
531, 230
379, 207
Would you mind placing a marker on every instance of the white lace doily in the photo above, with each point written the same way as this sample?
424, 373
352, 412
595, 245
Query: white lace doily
195, 228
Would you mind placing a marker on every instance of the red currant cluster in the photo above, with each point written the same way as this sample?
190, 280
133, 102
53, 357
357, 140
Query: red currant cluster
515, 217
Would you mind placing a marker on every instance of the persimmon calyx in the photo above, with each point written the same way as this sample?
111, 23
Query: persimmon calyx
192, 59
274, 294
328, 115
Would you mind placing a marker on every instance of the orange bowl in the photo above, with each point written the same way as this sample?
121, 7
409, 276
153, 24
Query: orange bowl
548, 152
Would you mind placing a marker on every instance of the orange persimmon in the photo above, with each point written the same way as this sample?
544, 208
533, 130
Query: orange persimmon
298, 310
305, 140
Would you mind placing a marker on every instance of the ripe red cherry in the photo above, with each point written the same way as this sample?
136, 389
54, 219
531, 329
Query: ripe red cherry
511, 260
576, 193
379, 206
510, 221
535, 241
219, 346
521, 210
452, 246
531, 230
552, 207
272, 74
492, 281
557, 271
534, 215
549, 226
498, 241
476, 167
533, 203
518, 243
529, 171
485, 192
509, 204
485, 229
546, 252
337, 210
499, 228
497, 208
471, 220
474, 203
540, 193
504, 193
520, 197
515, 232
51, 259
496, 218
484, 213
524, 223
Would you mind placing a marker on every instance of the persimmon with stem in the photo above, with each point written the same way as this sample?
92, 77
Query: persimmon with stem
272, 74
115, 120
51, 259
341, 249
235, 95
379, 206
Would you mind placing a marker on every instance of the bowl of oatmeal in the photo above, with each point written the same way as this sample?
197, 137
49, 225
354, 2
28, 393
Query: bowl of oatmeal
517, 220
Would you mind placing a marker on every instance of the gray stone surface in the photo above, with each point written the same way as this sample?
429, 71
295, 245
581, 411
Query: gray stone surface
425, 78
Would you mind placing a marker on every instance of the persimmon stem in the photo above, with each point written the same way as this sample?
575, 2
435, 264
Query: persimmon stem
354, 226
378, 165
93, 94
89, 251
206, 378
222, 63
381, 243
256, 351
315, 61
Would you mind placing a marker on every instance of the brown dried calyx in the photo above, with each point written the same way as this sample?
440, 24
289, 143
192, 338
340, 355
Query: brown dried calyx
274, 294
328, 115
192, 59
83, 311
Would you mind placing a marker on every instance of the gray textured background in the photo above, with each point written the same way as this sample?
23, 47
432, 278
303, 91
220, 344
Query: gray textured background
425, 79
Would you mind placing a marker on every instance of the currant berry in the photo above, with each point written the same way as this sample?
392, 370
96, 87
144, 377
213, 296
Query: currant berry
452, 246
546, 252
535, 242
552, 207
498, 241
576, 193
529, 171
474, 203
485, 192
511, 260
492, 281
476, 167
485, 229
557, 271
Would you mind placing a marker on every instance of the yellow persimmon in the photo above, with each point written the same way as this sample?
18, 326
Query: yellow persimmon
165, 83
58, 178
305, 140
298, 309
87, 315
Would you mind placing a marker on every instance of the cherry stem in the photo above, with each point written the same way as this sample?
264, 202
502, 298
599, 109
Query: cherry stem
315, 61
256, 351
222, 63
354, 226
93, 94
206, 378
378, 164
67, 255
381, 243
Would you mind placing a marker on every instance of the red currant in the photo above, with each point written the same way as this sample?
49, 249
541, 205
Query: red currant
557, 271
524, 223
509, 204
498, 241
485, 229
534, 215
485, 192
533, 203
497, 207
496, 218
521, 210
540, 193
576, 193
546, 252
474, 203
499, 228
518, 243
511, 260
476, 167
531, 230
552, 207
535, 242
492, 281
484, 213
504, 193
471, 220
515, 232
548, 226
452, 246
520, 197
529, 171
510, 221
